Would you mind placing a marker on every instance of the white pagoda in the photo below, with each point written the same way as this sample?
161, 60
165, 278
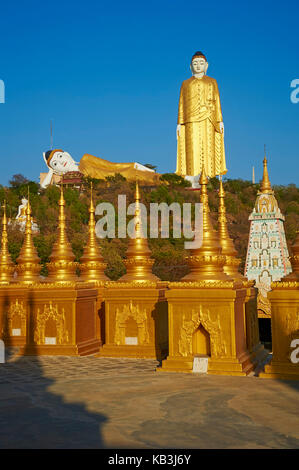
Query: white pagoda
267, 253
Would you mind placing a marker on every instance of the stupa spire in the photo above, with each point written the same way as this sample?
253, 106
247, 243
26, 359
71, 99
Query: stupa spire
92, 262
28, 261
227, 244
206, 262
138, 262
62, 266
265, 184
6, 264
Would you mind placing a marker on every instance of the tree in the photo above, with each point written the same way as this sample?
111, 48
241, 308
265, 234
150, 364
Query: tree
117, 178
175, 180
18, 180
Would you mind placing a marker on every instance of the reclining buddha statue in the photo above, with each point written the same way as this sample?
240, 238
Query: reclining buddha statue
61, 163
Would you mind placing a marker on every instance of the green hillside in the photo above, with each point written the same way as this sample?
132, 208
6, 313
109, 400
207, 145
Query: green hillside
168, 253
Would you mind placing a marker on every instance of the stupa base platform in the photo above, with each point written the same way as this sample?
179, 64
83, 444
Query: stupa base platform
15, 341
241, 366
281, 371
85, 348
51, 318
284, 298
129, 351
13, 314
207, 319
135, 320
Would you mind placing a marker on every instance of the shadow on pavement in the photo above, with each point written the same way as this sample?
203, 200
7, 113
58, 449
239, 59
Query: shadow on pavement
32, 417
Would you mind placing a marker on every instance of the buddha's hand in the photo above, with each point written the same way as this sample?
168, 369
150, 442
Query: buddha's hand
178, 131
221, 128
48, 178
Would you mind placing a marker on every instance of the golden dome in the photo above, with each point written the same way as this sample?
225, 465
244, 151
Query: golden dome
266, 203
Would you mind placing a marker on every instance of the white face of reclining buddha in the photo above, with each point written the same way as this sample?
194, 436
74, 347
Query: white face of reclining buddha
62, 162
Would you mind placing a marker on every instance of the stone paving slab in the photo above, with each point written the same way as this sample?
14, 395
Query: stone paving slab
89, 402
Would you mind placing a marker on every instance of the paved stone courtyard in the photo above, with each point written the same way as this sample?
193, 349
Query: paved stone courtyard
88, 402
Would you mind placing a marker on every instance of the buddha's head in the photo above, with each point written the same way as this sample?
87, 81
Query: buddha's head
61, 162
199, 64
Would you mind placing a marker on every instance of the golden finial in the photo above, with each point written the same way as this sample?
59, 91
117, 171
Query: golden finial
137, 193
138, 262
62, 266
206, 262
6, 264
138, 227
227, 244
28, 261
92, 265
203, 180
265, 185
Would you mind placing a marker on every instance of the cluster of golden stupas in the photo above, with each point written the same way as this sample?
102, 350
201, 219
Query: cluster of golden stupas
216, 259
211, 313
61, 266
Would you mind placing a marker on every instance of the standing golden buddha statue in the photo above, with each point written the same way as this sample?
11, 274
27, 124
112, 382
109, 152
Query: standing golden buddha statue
200, 130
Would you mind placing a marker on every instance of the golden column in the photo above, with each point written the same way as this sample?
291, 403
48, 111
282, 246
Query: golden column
62, 266
92, 262
28, 261
284, 298
206, 262
6, 265
138, 262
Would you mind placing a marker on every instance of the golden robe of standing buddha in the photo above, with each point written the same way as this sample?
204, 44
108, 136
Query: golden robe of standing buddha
200, 130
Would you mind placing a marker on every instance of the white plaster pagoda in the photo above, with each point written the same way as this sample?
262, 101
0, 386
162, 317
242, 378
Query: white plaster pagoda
267, 253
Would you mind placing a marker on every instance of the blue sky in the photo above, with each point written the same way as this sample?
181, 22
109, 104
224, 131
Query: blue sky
108, 74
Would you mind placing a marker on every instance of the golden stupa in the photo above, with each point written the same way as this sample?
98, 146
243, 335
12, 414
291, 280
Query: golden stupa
28, 261
62, 266
6, 265
138, 262
206, 262
207, 321
135, 305
92, 262
228, 249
